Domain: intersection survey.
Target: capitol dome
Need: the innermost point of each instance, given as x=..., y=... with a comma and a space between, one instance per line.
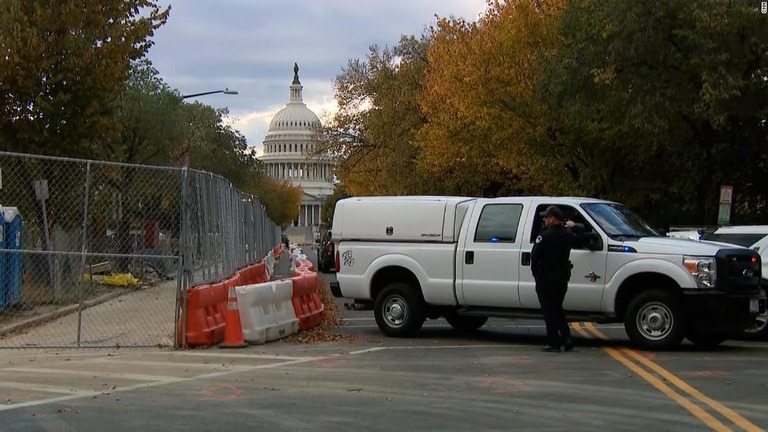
x=295, y=116
x=290, y=153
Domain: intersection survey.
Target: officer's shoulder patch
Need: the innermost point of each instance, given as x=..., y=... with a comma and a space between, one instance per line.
x=538, y=239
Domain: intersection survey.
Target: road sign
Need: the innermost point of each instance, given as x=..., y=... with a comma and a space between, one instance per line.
x=724, y=211
x=726, y=194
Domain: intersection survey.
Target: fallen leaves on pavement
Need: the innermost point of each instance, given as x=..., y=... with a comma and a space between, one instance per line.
x=331, y=319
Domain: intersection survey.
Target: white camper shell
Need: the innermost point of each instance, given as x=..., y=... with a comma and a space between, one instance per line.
x=400, y=219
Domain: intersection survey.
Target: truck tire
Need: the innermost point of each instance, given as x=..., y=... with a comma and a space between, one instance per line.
x=465, y=323
x=654, y=320
x=760, y=330
x=399, y=310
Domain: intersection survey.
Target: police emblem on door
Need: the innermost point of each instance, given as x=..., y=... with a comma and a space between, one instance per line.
x=390, y=230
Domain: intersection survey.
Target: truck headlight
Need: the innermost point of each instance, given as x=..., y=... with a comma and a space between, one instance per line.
x=702, y=269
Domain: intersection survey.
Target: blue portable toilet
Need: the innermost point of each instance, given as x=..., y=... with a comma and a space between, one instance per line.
x=2, y=264
x=13, y=269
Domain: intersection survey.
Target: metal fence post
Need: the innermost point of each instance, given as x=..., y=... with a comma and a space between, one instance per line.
x=183, y=273
x=83, y=250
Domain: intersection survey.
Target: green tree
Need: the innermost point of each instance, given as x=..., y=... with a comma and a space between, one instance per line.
x=63, y=65
x=656, y=105
x=281, y=199
x=150, y=119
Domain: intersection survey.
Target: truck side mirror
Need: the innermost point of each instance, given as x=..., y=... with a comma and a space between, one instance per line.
x=594, y=241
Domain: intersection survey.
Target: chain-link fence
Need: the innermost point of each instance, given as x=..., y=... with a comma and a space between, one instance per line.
x=96, y=254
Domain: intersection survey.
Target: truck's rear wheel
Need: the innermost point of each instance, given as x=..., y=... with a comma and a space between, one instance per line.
x=654, y=320
x=399, y=310
x=465, y=323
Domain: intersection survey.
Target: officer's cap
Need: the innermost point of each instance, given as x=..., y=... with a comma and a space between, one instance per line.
x=552, y=211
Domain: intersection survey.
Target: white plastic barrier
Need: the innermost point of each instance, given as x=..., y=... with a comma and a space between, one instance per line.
x=263, y=312
x=285, y=317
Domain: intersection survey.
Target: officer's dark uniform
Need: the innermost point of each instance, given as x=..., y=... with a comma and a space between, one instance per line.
x=551, y=268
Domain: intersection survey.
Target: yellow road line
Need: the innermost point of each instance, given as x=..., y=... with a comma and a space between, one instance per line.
x=577, y=326
x=682, y=385
x=697, y=411
x=591, y=327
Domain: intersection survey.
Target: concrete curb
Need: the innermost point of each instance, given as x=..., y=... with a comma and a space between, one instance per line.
x=58, y=313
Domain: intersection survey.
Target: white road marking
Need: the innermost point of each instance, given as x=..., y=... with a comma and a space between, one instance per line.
x=86, y=394
x=373, y=326
x=169, y=364
x=501, y=345
x=129, y=376
x=437, y=325
x=237, y=355
x=40, y=388
x=367, y=350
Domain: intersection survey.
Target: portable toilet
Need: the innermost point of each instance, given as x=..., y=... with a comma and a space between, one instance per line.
x=13, y=265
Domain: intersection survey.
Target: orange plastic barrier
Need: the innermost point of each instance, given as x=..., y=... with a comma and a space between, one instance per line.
x=260, y=273
x=304, y=265
x=306, y=301
x=219, y=293
x=205, y=324
x=242, y=276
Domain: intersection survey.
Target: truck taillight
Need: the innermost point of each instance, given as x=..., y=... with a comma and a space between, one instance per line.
x=336, y=261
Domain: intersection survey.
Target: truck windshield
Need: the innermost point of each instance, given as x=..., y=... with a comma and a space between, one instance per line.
x=619, y=222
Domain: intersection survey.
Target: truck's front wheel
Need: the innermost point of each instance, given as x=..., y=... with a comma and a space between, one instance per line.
x=654, y=320
x=399, y=310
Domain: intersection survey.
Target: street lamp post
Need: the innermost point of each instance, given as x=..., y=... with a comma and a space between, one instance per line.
x=185, y=160
x=225, y=91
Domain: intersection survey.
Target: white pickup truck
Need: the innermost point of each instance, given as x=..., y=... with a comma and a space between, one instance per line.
x=467, y=259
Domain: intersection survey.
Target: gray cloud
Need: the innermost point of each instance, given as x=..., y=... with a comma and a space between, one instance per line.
x=251, y=45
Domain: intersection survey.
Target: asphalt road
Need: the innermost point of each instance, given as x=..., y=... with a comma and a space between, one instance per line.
x=494, y=379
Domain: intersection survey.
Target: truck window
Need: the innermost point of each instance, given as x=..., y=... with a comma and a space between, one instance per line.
x=570, y=213
x=498, y=223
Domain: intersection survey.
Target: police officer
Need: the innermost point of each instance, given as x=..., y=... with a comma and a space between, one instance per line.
x=551, y=268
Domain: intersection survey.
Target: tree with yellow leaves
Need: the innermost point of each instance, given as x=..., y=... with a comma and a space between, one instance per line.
x=372, y=134
x=479, y=98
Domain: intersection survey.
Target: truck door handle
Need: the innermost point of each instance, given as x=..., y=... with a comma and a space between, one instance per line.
x=469, y=257
x=526, y=259
x=592, y=276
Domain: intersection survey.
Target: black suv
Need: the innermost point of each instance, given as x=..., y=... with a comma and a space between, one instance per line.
x=326, y=254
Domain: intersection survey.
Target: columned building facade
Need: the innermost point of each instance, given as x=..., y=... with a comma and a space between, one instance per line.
x=289, y=154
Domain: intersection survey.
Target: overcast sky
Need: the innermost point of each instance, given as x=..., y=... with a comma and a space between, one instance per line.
x=251, y=45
